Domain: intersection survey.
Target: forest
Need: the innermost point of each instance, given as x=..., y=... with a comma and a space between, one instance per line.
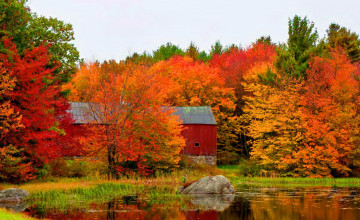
x=291, y=108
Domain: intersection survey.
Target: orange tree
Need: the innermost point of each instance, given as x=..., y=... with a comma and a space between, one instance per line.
x=130, y=129
x=193, y=83
x=331, y=115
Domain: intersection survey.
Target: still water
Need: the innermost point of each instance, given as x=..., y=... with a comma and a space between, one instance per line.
x=249, y=202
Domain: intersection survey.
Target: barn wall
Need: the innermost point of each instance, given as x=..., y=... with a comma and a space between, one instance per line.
x=205, y=135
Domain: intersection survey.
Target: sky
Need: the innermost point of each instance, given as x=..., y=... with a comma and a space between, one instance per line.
x=114, y=29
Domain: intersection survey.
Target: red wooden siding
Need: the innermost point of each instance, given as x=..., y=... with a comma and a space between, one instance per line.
x=205, y=135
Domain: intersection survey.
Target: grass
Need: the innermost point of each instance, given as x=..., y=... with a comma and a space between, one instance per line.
x=230, y=171
x=292, y=181
x=77, y=198
x=82, y=197
x=8, y=215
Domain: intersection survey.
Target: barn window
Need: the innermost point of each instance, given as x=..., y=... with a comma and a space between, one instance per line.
x=197, y=144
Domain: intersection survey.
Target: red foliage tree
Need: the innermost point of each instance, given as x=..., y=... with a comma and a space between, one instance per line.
x=331, y=103
x=235, y=64
x=37, y=98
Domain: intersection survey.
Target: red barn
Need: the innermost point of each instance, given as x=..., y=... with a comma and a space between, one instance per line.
x=200, y=130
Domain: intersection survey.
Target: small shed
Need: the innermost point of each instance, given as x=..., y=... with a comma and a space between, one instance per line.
x=200, y=129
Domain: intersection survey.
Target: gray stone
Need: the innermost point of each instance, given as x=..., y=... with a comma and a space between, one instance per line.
x=13, y=195
x=209, y=185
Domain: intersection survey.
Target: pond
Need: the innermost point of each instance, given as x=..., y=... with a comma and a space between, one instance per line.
x=249, y=202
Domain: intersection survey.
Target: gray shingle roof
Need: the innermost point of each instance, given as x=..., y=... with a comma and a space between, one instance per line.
x=196, y=115
x=188, y=115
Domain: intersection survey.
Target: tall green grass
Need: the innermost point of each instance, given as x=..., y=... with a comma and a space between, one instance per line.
x=82, y=197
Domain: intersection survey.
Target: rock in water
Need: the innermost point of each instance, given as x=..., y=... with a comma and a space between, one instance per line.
x=209, y=185
x=13, y=195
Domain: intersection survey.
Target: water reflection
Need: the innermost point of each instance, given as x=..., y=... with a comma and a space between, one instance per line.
x=212, y=202
x=250, y=202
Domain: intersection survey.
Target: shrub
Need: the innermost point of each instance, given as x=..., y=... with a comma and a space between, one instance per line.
x=249, y=168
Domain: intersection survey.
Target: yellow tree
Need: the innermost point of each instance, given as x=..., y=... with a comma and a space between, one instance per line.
x=272, y=114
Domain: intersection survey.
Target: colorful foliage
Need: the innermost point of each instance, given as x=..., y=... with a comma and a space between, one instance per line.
x=331, y=120
x=193, y=83
x=41, y=106
x=272, y=115
x=129, y=127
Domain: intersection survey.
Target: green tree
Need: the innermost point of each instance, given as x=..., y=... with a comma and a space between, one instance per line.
x=217, y=48
x=265, y=40
x=29, y=30
x=294, y=57
x=342, y=37
x=144, y=58
x=203, y=56
x=58, y=35
x=165, y=52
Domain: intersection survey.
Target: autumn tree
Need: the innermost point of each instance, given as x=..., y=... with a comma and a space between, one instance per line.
x=130, y=128
x=233, y=66
x=330, y=113
x=305, y=128
x=13, y=164
x=193, y=83
x=272, y=116
x=40, y=104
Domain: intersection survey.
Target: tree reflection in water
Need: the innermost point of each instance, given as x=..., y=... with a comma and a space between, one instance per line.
x=249, y=203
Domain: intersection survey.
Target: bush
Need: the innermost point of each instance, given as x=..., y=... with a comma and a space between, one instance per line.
x=249, y=168
x=76, y=168
x=59, y=168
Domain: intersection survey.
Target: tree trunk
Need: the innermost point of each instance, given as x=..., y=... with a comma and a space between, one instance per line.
x=111, y=162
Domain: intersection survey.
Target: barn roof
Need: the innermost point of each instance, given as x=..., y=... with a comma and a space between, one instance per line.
x=188, y=115
x=195, y=115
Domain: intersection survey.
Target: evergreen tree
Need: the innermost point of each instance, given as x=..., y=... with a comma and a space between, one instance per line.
x=293, y=57
x=341, y=37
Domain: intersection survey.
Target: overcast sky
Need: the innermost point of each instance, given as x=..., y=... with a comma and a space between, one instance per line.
x=114, y=29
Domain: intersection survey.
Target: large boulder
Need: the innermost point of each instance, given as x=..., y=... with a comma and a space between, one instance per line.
x=209, y=185
x=13, y=195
